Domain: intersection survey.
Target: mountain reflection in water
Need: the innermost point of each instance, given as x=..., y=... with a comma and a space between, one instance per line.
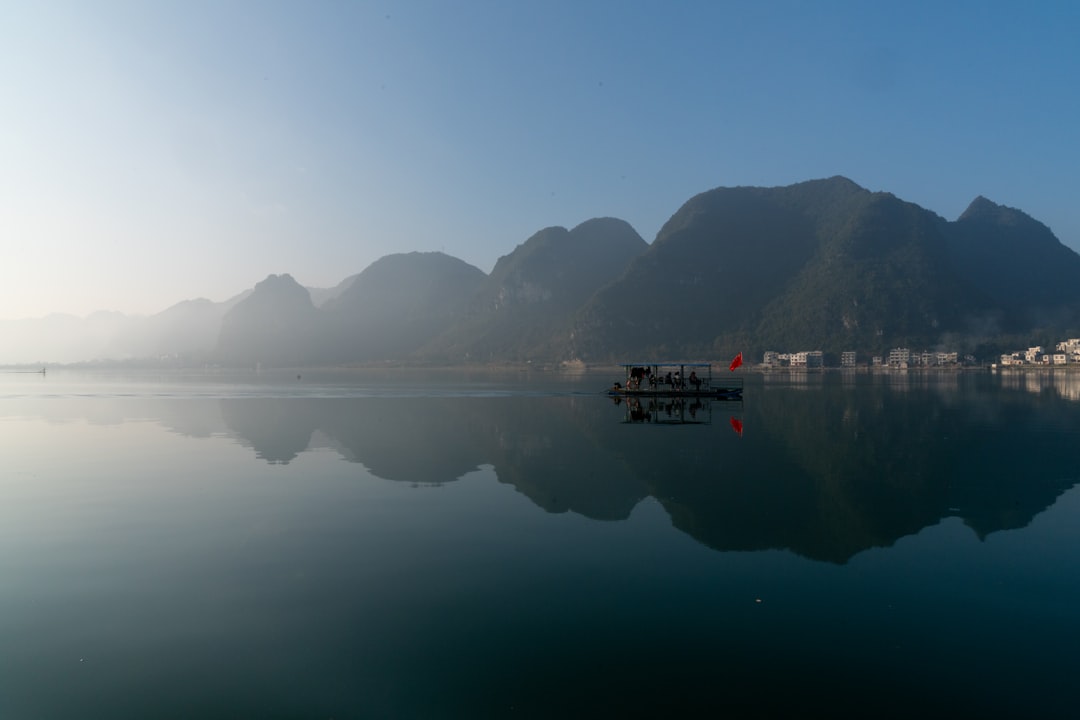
x=305, y=549
x=826, y=473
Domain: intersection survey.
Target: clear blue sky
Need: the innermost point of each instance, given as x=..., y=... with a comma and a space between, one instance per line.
x=156, y=151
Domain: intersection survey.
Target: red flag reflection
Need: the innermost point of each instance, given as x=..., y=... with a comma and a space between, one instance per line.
x=736, y=425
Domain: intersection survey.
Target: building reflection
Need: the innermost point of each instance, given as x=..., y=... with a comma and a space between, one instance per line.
x=1063, y=382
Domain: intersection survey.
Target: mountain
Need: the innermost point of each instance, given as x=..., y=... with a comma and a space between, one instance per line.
x=321, y=296
x=187, y=330
x=433, y=308
x=827, y=265
x=397, y=306
x=712, y=268
x=1016, y=266
x=879, y=280
x=823, y=264
x=276, y=324
x=528, y=301
x=185, y=333
x=60, y=337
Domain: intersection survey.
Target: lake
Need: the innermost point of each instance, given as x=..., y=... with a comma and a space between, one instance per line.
x=409, y=544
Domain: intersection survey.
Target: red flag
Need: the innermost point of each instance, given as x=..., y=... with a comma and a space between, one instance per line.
x=736, y=425
x=736, y=362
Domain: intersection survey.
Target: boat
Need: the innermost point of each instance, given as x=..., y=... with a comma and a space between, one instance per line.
x=675, y=379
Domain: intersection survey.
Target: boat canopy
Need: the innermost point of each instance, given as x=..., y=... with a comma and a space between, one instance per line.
x=652, y=363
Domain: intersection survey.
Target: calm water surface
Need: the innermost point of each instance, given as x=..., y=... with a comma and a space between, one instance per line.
x=461, y=545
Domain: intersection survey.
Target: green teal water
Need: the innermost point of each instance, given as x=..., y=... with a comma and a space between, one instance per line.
x=459, y=545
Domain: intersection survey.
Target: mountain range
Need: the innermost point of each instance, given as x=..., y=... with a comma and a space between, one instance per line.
x=819, y=265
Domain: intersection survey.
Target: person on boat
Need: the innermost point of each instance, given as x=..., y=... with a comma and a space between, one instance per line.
x=695, y=380
x=678, y=380
x=667, y=379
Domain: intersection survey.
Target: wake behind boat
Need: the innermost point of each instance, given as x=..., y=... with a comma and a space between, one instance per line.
x=685, y=379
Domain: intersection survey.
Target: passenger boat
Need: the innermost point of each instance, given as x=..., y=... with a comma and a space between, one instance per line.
x=679, y=379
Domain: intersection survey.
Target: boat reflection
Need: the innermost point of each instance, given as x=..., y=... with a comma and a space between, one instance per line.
x=678, y=410
x=666, y=410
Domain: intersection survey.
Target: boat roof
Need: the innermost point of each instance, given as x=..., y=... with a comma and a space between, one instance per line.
x=653, y=363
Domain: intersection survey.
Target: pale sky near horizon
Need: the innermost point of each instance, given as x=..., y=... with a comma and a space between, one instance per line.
x=157, y=151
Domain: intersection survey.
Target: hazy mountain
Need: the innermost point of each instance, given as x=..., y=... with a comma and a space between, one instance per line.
x=186, y=332
x=61, y=338
x=526, y=304
x=397, y=306
x=320, y=296
x=825, y=265
x=276, y=325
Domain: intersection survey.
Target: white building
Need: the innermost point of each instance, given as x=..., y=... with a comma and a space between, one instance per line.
x=899, y=357
x=1071, y=349
x=807, y=359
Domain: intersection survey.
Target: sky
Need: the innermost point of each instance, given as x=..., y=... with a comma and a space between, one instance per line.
x=152, y=152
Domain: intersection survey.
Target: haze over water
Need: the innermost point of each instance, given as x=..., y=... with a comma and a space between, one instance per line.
x=459, y=544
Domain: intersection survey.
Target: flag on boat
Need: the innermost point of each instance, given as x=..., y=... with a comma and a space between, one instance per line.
x=736, y=425
x=736, y=362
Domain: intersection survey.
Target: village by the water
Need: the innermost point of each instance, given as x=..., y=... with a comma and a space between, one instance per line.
x=1034, y=369
x=1065, y=353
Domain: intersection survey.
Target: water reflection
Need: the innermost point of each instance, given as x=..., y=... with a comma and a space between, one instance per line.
x=674, y=409
x=856, y=463
x=1060, y=381
x=247, y=564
